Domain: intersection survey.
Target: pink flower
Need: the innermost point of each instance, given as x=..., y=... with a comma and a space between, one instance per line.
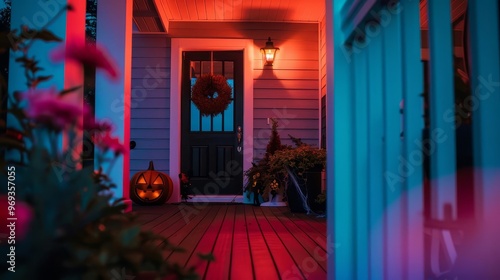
x=87, y=54
x=46, y=107
x=107, y=142
x=93, y=125
x=21, y=211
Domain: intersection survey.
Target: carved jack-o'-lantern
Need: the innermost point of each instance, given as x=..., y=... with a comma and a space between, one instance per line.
x=150, y=186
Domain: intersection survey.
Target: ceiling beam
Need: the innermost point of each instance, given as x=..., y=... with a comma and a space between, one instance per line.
x=162, y=13
x=145, y=13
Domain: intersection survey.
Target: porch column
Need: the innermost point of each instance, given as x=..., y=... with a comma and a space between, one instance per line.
x=67, y=25
x=485, y=81
x=112, y=100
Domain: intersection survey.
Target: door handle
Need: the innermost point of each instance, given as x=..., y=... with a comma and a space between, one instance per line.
x=239, y=136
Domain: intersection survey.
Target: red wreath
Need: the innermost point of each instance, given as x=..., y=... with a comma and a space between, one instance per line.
x=203, y=93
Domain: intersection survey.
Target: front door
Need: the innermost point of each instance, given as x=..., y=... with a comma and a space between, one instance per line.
x=211, y=151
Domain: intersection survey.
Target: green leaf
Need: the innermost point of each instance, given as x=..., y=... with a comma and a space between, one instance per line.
x=47, y=36
x=128, y=235
x=44, y=35
x=39, y=79
x=69, y=90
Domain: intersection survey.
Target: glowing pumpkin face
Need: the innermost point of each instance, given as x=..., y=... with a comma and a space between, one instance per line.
x=150, y=186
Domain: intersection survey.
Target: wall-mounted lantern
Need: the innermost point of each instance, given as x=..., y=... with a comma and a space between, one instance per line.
x=269, y=52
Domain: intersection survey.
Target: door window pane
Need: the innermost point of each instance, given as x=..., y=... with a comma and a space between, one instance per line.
x=222, y=122
x=195, y=113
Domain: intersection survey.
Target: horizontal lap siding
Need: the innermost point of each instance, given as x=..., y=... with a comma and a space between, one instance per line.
x=150, y=103
x=289, y=90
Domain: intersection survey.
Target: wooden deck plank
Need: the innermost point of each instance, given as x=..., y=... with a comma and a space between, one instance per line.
x=241, y=265
x=284, y=262
x=313, y=232
x=206, y=243
x=263, y=263
x=316, y=248
x=247, y=242
x=161, y=216
x=146, y=218
x=188, y=225
x=191, y=239
x=219, y=269
x=179, y=228
x=308, y=266
x=317, y=223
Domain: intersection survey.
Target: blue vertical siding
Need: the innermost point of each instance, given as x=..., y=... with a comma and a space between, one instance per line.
x=412, y=129
x=441, y=99
x=485, y=78
x=375, y=157
x=360, y=111
x=340, y=158
x=393, y=87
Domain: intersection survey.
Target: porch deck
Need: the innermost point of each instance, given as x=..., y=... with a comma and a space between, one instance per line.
x=247, y=242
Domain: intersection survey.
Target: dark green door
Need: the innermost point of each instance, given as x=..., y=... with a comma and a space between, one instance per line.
x=210, y=152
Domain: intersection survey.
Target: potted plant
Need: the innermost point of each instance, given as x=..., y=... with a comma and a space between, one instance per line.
x=260, y=181
x=300, y=167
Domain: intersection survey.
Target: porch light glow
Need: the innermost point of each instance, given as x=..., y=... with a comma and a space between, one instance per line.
x=269, y=52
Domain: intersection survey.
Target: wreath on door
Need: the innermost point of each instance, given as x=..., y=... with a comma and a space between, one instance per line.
x=211, y=94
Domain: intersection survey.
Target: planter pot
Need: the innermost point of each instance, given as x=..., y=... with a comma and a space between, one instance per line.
x=273, y=202
x=301, y=198
x=248, y=198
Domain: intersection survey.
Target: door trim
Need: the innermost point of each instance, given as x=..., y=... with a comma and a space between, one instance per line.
x=178, y=45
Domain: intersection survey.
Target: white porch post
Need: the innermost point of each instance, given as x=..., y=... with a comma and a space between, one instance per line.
x=112, y=100
x=67, y=25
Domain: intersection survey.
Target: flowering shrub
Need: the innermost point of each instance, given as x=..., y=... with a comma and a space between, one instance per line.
x=260, y=179
x=300, y=159
x=68, y=224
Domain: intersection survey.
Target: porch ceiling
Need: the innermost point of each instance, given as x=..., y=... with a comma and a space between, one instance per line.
x=154, y=15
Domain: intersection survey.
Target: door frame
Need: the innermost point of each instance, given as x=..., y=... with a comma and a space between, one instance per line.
x=178, y=45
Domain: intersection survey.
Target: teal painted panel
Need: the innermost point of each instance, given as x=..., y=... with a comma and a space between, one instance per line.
x=340, y=160
x=412, y=129
x=393, y=87
x=361, y=164
x=375, y=157
x=442, y=130
x=485, y=78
